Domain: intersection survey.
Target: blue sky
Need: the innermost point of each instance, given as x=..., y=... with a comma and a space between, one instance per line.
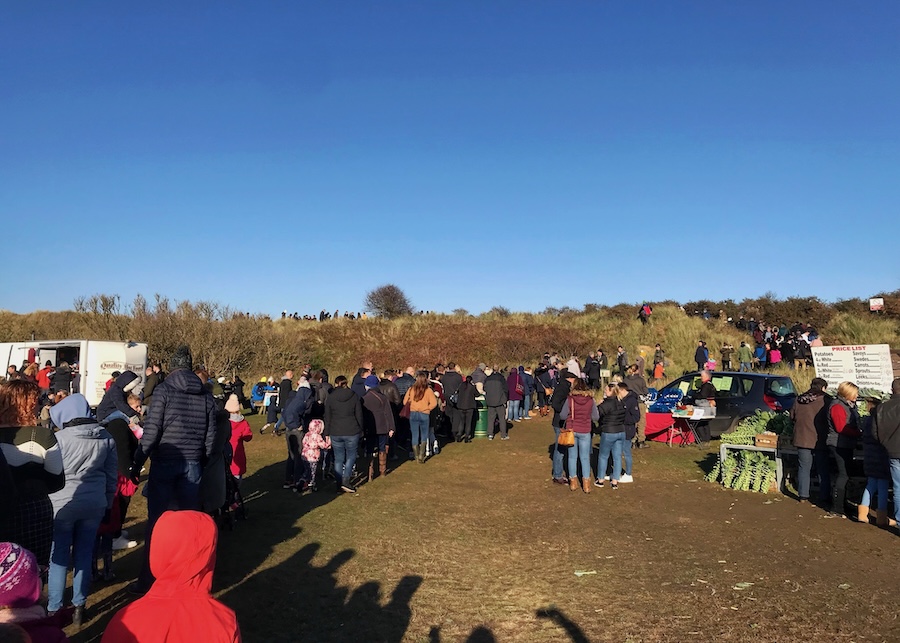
x=294, y=155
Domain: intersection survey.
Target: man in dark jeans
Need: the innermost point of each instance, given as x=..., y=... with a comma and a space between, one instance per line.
x=179, y=436
x=452, y=381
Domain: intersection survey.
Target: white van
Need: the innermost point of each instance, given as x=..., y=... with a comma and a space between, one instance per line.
x=96, y=360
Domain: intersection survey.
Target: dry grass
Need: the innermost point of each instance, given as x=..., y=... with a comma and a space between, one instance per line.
x=479, y=545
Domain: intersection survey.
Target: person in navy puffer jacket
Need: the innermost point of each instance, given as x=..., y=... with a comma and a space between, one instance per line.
x=180, y=437
x=116, y=398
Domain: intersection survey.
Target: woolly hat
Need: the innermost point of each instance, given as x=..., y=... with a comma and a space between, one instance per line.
x=20, y=582
x=372, y=381
x=233, y=405
x=181, y=358
x=70, y=408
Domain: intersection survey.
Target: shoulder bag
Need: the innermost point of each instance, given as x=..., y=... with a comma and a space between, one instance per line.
x=567, y=436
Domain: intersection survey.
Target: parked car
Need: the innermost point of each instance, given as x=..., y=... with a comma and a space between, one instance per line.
x=738, y=395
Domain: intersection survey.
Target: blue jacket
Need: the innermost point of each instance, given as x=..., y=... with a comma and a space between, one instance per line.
x=89, y=461
x=181, y=422
x=297, y=412
x=527, y=382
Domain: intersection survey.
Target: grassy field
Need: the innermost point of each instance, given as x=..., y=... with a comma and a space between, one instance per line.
x=479, y=545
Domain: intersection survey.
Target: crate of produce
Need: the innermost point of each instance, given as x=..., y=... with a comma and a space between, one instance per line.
x=766, y=439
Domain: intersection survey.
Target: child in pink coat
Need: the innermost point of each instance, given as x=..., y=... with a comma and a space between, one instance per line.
x=313, y=443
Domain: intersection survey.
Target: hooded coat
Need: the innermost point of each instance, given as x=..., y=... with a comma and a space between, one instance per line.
x=89, y=460
x=116, y=397
x=178, y=608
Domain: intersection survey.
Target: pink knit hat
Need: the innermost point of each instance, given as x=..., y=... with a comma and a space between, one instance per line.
x=20, y=582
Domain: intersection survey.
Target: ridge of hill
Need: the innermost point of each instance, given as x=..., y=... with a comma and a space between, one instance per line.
x=228, y=342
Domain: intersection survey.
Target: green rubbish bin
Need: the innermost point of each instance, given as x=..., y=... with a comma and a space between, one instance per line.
x=481, y=427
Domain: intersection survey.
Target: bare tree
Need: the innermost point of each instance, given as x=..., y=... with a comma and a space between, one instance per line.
x=388, y=301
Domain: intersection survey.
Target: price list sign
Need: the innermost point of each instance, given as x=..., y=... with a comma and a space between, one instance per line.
x=866, y=366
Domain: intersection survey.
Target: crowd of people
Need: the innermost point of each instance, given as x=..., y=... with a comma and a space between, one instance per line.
x=828, y=429
x=65, y=488
x=67, y=481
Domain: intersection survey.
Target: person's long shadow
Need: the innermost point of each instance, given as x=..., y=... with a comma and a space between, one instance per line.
x=271, y=515
x=576, y=634
x=299, y=601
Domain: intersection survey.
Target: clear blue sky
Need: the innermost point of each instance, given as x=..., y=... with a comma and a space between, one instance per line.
x=294, y=155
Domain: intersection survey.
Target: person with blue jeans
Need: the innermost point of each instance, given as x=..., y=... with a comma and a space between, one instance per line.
x=180, y=437
x=612, y=436
x=344, y=425
x=515, y=392
x=90, y=465
x=557, y=402
x=887, y=431
x=528, y=383
x=579, y=414
x=422, y=401
x=810, y=433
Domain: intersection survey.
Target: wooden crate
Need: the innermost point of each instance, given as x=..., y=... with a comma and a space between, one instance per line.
x=769, y=440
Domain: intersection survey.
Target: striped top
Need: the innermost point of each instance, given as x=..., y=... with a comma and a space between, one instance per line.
x=34, y=459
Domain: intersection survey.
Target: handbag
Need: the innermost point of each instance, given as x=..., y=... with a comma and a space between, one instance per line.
x=405, y=411
x=567, y=436
x=520, y=388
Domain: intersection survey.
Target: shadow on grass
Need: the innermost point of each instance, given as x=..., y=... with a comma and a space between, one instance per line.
x=707, y=462
x=482, y=634
x=297, y=600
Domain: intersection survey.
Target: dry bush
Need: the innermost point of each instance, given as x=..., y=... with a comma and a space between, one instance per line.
x=227, y=341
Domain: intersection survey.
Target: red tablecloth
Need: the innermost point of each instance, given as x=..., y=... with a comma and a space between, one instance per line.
x=658, y=428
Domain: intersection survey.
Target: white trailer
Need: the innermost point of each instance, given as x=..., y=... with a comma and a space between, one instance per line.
x=96, y=360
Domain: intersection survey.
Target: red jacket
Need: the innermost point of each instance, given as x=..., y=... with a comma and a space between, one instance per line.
x=240, y=433
x=178, y=608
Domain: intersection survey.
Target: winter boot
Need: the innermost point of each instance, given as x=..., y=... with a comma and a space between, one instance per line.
x=586, y=484
x=573, y=483
x=883, y=521
x=862, y=513
x=382, y=464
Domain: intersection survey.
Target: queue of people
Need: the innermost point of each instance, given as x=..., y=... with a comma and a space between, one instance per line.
x=827, y=430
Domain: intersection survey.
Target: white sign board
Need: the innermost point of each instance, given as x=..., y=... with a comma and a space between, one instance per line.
x=866, y=366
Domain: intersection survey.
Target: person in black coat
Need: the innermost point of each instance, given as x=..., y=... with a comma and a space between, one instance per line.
x=452, y=381
x=378, y=421
x=496, y=395
x=343, y=424
x=116, y=399
x=180, y=435
x=466, y=405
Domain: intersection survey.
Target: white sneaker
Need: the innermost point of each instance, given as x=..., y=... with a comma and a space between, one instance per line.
x=625, y=478
x=123, y=543
x=527, y=417
x=124, y=533
x=606, y=477
x=436, y=448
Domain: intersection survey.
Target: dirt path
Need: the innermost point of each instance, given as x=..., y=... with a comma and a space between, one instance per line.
x=479, y=545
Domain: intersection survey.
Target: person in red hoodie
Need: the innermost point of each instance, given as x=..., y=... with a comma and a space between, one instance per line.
x=843, y=433
x=178, y=608
x=240, y=433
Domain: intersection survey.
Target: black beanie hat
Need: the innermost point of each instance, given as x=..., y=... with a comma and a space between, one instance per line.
x=181, y=358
